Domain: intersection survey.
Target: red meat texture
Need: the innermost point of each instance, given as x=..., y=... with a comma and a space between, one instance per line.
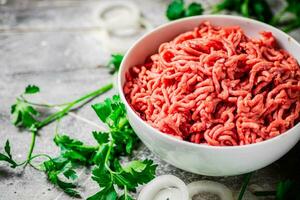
x=216, y=86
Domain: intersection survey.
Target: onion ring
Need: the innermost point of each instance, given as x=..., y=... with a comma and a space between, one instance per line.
x=120, y=43
x=212, y=187
x=129, y=18
x=157, y=189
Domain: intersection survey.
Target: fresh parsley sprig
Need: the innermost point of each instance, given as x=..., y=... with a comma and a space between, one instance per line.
x=292, y=7
x=119, y=140
x=246, y=181
x=73, y=154
x=25, y=113
x=7, y=157
x=177, y=9
x=286, y=190
x=258, y=9
x=115, y=62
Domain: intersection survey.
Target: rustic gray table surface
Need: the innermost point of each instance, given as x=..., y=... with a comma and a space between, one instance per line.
x=58, y=45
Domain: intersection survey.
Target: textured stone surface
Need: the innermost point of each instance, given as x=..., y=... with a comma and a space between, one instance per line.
x=58, y=45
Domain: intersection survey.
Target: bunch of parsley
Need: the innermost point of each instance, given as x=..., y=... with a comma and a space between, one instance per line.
x=25, y=114
x=256, y=9
x=108, y=172
x=118, y=141
x=177, y=9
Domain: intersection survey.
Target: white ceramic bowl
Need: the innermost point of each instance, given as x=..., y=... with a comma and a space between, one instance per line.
x=197, y=158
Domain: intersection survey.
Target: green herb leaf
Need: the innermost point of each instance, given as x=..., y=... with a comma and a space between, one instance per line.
x=260, y=9
x=70, y=174
x=175, y=10
x=257, y=9
x=194, y=9
x=113, y=113
x=31, y=89
x=102, y=176
x=282, y=189
x=61, y=166
x=108, y=193
x=293, y=7
x=101, y=137
x=232, y=5
x=115, y=62
x=137, y=172
x=246, y=180
x=8, y=157
x=24, y=115
x=75, y=150
x=288, y=190
x=125, y=197
x=7, y=149
x=119, y=140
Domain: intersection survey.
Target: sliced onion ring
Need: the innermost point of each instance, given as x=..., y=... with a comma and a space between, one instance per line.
x=212, y=187
x=131, y=20
x=121, y=44
x=159, y=184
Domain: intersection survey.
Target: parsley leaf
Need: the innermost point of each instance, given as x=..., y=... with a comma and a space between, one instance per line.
x=194, y=9
x=232, y=5
x=176, y=10
x=293, y=7
x=129, y=177
x=24, y=115
x=288, y=190
x=56, y=167
x=31, y=89
x=119, y=140
x=125, y=197
x=115, y=62
x=7, y=149
x=112, y=112
x=8, y=157
x=75, y=150
x=73, y=154
x=108, y=193
x=257, y=9
x=135, y=173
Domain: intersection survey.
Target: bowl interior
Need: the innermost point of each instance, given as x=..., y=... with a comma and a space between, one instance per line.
x=149, y=44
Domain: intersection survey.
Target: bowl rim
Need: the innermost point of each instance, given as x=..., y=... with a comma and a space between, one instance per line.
x=170, y=138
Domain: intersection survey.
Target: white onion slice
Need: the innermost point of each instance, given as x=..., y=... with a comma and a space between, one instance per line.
x=164, y=187
x=212, y=187
x=116, y=15
x=120, y=44
x=247, y=195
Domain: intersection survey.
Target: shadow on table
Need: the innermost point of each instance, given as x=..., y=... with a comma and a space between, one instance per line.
x=7, y=173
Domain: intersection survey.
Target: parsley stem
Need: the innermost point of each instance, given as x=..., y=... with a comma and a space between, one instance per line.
x=64, y=111
x=245, y=184
x=276, y=18
x=61, y=113
x=33, y=137
x=22, y=98
x=125, y=192
x=40, y=155
x=291, y=26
